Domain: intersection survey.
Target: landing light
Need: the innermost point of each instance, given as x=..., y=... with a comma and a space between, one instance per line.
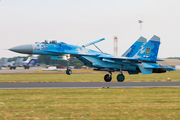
x=68, y=56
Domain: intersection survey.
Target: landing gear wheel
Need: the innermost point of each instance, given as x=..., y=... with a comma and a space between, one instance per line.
x=120, y=78
x=107, y=78
x=68, y=71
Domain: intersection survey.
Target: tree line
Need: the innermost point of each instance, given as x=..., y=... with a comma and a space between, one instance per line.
x=46, y=59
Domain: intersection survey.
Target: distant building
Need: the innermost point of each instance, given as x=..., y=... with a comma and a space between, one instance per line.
x=171, y=62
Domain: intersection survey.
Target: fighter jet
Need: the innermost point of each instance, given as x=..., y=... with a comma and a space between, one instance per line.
x=18, y=63
x=31, y=61
x=4, y=63
x=26, y=64
x=141, y=57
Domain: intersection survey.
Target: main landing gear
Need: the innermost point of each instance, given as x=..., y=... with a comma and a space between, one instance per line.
x=120, y=77
x=108, y=77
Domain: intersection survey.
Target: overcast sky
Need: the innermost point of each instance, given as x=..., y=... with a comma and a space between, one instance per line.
x=82, y=21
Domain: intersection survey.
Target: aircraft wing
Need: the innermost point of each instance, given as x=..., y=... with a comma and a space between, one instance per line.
x=146, y=66
x=126, y=59
x=131, y=59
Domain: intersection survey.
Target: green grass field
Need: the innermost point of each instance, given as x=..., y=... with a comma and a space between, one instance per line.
x=91, y=104
x=86, y=76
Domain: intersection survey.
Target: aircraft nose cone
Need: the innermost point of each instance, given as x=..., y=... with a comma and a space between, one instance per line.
x=26, y=49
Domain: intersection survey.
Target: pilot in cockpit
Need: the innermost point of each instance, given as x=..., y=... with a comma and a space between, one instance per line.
x=46, y=42
x=54, y=41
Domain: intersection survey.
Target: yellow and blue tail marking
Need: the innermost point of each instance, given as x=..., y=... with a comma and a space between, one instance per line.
x=150, y=50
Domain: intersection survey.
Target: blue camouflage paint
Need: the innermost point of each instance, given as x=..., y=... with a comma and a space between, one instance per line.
x=62, y=47
x=134, y=49
x=151, y=45
x=135, y=57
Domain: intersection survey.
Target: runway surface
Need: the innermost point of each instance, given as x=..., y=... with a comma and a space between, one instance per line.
x=87, y=85
x=6, y=70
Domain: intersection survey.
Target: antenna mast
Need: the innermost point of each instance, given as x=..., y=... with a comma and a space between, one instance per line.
x=140, y=22
x=115, y=46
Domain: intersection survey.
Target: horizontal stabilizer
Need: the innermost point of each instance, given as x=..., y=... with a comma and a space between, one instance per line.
x=145, y=70
x=169, y=68
x=91, y=43
x=151, y=65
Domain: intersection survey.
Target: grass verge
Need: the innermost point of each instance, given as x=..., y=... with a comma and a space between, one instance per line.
x=84, y=77
x=77, y=104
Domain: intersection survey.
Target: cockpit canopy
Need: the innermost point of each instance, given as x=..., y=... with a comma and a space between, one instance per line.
x=47, y=42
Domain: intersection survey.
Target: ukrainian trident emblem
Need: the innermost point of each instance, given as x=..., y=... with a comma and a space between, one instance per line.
x=148, y=50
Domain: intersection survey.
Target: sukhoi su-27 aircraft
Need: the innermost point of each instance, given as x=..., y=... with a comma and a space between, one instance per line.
x=141, y=57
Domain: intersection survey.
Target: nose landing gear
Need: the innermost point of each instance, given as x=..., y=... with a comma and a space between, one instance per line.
x=68, y=71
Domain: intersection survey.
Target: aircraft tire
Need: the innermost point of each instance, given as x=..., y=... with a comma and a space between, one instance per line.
x=68, y=71
x=10, y=68
x=107, y=78
x=120, y=78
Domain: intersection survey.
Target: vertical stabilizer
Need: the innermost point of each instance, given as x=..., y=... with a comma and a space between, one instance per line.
x=28, y=59
x=16, y=63
x=32, y=62
x=150, y=50
x=135, y=47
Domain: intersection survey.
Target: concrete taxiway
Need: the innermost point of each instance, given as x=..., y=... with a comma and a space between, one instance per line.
x=87, y=85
